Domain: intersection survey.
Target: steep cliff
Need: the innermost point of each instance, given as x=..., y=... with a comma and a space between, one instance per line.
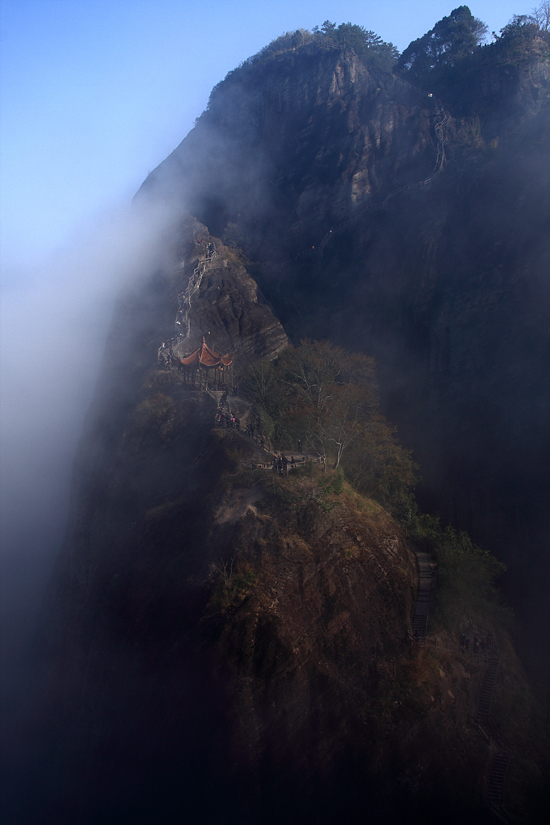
x=412, y=225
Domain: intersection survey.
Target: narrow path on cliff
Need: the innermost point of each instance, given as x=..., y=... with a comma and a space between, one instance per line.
x=426, y=585
x=283, y=461
x=492, y=732
x=489, y=729
x=183, y=320
x=165, y=354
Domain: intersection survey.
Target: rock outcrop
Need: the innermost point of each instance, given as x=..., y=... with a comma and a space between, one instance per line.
x=218, y=300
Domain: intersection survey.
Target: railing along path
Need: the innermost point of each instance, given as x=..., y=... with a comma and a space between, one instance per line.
x=289, y=460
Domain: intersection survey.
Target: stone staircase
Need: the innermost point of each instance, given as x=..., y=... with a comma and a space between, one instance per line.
x=489, y=678
x=497, y=774
x=420, y=627
x=424, y=596
x=495, y=781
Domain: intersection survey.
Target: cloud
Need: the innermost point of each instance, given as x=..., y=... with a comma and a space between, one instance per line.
x=55, y=314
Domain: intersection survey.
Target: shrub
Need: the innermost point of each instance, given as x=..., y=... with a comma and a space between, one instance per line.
x=232, y=586
x=327, y=398
x=466, y=574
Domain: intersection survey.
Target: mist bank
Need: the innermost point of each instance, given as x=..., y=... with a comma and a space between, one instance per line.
x=55, y=315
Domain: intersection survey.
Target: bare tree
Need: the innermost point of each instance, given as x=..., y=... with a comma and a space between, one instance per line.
x=332, y=394
x=541, y=16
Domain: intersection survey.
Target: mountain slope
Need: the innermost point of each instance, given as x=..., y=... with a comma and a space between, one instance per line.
x=375, y=216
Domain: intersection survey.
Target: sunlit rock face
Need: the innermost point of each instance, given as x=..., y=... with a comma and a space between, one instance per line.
x=220, y=301
x=414, y=227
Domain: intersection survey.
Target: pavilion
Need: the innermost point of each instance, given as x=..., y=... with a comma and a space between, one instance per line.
x=204, y=368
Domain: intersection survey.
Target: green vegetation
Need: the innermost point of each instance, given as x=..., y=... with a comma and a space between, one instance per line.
x=233, y=585
x=522, y=40
x=466, y=575
x=309, y=486
x=449, y=60
x=367, y=45
x=327, y=400
x=451, y=39
x=442, y=61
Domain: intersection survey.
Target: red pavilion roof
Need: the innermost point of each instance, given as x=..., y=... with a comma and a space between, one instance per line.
x=206, y=357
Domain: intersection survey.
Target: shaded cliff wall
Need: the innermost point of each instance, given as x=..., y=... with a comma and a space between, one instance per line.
x=287, y=145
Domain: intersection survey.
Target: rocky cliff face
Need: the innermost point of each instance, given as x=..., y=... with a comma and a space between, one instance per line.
x=288, y=146
x=413, y=227
x=220, y=301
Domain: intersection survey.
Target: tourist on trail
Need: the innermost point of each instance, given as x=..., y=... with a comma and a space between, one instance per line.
x=467, y=642
x=300, y=445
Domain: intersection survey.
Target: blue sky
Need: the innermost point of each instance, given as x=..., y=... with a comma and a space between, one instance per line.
x=95, y=93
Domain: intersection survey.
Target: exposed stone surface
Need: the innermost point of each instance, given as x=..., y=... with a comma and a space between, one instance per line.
x=290, y=146
x=220, y=301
